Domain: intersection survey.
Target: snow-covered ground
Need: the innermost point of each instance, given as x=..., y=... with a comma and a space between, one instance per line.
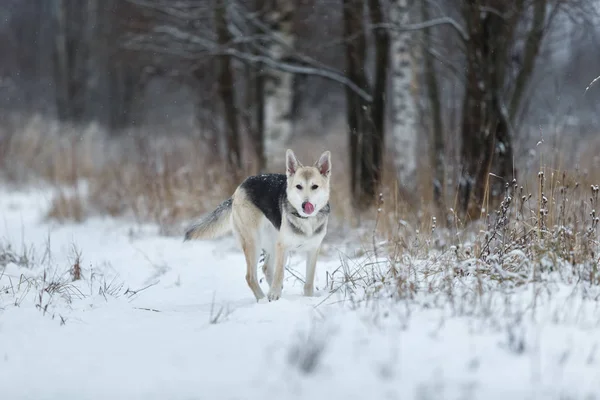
x=156, y=318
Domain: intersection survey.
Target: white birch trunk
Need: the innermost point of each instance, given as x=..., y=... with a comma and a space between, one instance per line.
x=278, y=87
x=404, y=108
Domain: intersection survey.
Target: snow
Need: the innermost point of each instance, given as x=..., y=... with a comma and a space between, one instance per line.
x=98, y=338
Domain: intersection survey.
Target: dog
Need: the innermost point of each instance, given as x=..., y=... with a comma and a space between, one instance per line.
x=275, y=213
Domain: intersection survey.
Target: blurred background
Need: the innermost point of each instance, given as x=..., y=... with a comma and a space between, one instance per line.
x=156, y=109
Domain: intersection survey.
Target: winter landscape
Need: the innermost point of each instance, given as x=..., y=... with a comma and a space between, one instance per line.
x=461, y=259
x=152, y=317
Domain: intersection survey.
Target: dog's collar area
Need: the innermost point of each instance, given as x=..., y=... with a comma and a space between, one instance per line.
x=297, y=215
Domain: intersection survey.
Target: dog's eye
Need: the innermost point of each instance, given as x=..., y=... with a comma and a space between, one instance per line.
x=299, y=187
x=315, y=187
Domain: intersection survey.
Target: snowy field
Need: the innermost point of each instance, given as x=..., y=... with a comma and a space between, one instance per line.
x=155, y=318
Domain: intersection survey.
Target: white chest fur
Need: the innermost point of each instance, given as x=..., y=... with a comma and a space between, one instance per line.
x=302, y=233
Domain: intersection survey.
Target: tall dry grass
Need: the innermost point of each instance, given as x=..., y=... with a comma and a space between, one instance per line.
x=170, y=178
x=155, y=177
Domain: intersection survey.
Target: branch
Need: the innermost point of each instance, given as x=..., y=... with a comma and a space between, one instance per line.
x=532, y=48
x=183, y=36
x=197, y=46
x=269, y=34
x=170, y=8
x=301, y=70
x=424, y=25
x=592, y=83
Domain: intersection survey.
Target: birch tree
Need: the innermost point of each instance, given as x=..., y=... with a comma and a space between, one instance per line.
x=437, y=148
x=404, y=109
x=278, y=85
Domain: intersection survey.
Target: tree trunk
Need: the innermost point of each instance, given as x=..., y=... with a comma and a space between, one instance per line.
x=255, y=100
x=225, y=84
x=70, y=58
x=123, y=76
x=123, y=82
x=486, y=151
x=61, y=61
x=364, y=173
x=437, y=149
x=278, y=85
x=113, y=79
x=382, y=60
x=532, y=49
x=404, y=108
x=259, y=134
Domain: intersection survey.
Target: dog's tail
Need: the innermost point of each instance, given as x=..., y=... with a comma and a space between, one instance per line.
x=212, y=225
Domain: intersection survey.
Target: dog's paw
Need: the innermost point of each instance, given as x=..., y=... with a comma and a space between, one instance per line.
x=274, y=294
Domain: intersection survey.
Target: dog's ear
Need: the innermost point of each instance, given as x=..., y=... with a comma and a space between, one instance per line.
x=324, y=163
x=291, y=162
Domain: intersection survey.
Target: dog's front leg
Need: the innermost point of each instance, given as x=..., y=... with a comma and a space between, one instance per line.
x=311, y=265
x=275, y=289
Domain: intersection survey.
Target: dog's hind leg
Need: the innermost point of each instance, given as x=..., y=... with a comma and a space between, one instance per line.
x=251, y=253
x=279, y=259
x=245, y=221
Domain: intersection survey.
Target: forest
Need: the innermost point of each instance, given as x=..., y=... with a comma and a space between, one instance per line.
x=438, y=103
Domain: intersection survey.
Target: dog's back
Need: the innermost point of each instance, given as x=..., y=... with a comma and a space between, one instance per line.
x=266, y=192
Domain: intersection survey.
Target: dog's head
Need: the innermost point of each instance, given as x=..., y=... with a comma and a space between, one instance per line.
x=308, y=187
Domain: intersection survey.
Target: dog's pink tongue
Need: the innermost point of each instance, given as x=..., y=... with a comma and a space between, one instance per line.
x=308, y=208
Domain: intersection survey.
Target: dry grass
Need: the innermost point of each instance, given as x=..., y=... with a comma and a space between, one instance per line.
x=49, y=282
x=75, y=270
x=169, y=180
x=67, y=207
x=147, y=176
x=42, y=149
x=9, y=256
x=539, y=240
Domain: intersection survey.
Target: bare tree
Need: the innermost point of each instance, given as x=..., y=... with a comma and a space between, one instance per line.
x=378, y=109
x=254, y=104
x=71, y=55
x=93, y=79
x=365, y=118
x=116, y=76
x=493, y=94
x=262, y=39
x=226, y=92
